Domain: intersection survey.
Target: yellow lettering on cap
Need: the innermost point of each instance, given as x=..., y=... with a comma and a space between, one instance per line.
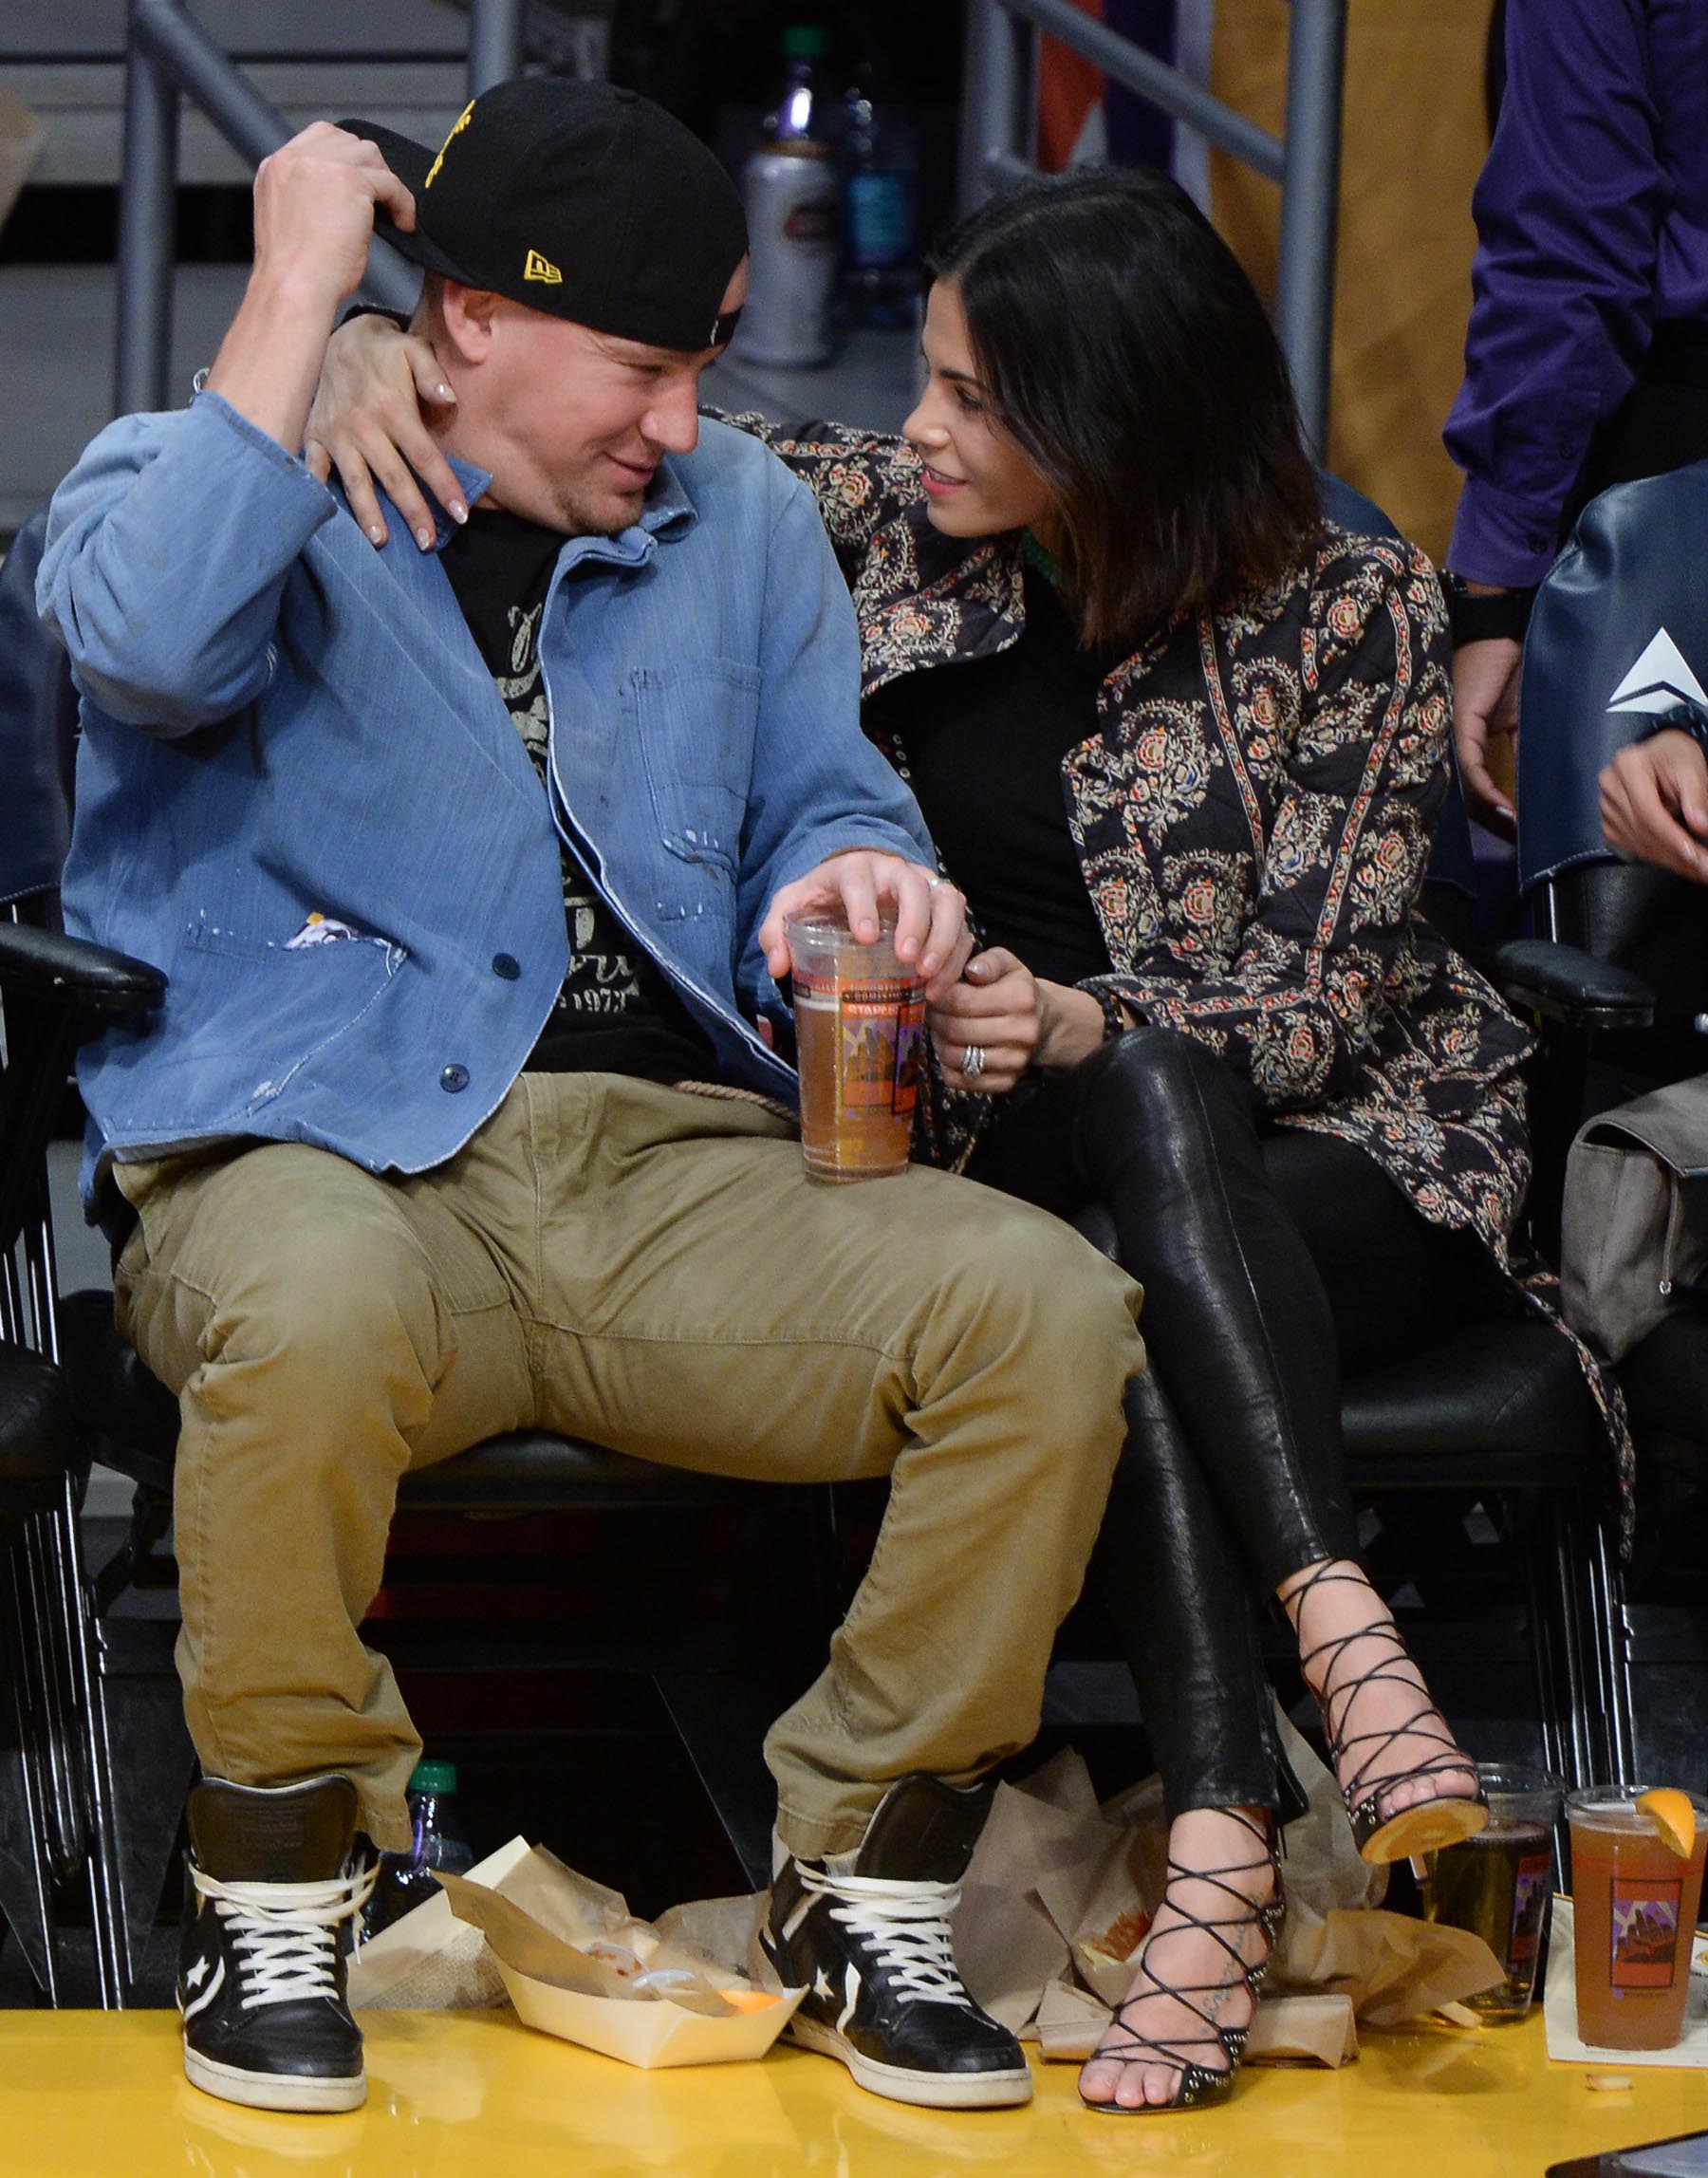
x=540, y=267
x=461, y=123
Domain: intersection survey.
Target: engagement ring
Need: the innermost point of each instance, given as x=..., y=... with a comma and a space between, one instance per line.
x=973, y=1061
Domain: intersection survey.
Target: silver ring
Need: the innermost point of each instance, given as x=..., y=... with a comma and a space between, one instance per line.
x=932, y=883
x=973, y=1061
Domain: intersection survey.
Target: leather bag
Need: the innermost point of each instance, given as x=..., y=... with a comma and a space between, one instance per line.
x=1634, y=1230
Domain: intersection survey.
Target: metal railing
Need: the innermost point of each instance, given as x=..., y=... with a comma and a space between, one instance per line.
x=169, y=57
x=995, y=128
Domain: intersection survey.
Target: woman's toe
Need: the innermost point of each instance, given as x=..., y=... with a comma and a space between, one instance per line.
x=1099, y=2080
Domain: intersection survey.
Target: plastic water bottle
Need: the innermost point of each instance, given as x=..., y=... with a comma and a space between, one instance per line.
x=880, y=275
x=793, y=212
x=405, y=1879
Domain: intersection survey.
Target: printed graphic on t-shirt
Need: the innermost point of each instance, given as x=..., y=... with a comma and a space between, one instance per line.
x=602, y=978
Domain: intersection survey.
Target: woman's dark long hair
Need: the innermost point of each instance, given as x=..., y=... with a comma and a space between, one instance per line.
x=1126, y=353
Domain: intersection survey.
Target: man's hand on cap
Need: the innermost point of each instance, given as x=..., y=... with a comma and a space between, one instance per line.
x=314, y=210
x=314, y=220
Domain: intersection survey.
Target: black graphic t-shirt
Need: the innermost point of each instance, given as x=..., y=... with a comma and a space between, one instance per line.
x=615, y=1012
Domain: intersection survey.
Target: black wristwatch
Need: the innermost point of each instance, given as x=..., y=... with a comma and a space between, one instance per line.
x=1478, y=619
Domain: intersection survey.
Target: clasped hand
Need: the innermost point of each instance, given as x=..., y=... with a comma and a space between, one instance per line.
x=1018, y=1019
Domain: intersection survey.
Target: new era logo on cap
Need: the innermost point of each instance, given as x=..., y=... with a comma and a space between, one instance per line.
x=1659, y=680
x=538, y=268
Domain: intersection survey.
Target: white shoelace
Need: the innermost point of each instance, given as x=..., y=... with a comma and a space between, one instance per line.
x=907, y=1923
x=286, y=1934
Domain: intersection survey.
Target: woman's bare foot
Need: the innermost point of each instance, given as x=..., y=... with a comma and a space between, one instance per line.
x=1193, y=1971
x=1392, y=1748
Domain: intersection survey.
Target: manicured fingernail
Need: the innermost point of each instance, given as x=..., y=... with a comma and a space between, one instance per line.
x=423, y=537
x=445, y=392
x=376, y=533
x=458, y=513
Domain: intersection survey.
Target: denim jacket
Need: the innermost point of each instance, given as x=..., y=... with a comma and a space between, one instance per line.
x=281, y=723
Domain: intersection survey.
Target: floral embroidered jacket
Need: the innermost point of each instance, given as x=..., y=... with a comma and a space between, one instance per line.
x=1252, y=817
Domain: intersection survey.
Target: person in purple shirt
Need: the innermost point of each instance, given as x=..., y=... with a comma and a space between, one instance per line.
x=1587, y=355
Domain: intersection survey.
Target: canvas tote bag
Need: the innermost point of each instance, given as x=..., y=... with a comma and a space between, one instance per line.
x=1634, y=1230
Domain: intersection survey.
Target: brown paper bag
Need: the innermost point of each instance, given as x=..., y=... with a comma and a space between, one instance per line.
x=1392, y=1967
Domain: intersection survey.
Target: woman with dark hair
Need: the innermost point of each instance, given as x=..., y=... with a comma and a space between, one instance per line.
x=1181, y=742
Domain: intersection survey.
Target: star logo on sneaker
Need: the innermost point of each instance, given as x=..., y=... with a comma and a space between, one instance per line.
x=820, y=1984
x=193, y=1980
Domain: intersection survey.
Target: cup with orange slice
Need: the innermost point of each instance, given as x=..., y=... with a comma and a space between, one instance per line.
x=1636, y=1854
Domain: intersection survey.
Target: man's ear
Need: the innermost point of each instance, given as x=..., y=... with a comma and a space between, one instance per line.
x=468, y=315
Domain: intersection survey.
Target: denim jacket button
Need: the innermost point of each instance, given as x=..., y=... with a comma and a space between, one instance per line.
x=507, y=965
x=455, y=1078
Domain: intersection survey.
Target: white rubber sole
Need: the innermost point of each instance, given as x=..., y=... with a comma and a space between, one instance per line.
x=272, y=2090
x=928, y=2089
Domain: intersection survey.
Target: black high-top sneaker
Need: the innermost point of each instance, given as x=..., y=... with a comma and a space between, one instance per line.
x=872, y=1948
x=276, y=1885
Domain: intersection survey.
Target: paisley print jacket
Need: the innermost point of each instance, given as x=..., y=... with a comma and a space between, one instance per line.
x=1252, y=817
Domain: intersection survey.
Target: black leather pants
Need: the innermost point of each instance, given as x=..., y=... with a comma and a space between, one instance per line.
x=1233, y=1474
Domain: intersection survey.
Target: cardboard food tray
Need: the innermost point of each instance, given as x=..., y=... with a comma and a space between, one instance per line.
x=650, y=2036
x=571, y=1957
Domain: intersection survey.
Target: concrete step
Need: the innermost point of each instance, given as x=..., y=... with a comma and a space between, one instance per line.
x=399, y=62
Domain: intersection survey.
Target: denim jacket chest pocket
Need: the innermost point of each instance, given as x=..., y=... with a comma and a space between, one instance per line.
x=696, y=725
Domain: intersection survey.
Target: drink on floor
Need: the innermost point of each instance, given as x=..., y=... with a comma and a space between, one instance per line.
x=1634, y=1904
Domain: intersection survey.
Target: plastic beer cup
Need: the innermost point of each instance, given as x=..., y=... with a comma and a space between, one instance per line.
x=1634, y=1911
x=860, y=1027
x=1497, y=1884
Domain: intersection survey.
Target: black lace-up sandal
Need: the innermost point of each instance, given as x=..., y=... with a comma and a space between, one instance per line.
x=1200, y=2084
x=1445, y=1816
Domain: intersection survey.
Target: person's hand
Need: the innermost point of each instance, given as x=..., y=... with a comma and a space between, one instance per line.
x=1653, y=803
x=1018, y=1020
x=1485, y=712
x=931, y=917
x=314, y=210
x=314, y=220
x=379, y=395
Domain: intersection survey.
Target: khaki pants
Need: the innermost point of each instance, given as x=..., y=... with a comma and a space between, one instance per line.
x=653, y=1270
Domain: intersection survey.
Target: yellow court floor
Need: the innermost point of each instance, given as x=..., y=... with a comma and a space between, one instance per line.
x=91, y=2094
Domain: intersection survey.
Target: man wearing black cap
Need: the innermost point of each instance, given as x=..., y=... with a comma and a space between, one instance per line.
x=468, y=867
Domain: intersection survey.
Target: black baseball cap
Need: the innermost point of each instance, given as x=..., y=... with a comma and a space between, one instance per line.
x=578, y=200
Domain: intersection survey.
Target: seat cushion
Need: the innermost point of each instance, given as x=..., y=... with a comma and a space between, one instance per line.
x=1502, y=1400
x=1665, y=1378
x=532, y=1471
x=37, y=1433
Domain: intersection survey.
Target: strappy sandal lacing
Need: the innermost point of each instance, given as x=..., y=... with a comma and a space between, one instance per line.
x=1199, y=2084
x=1443, y=1817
